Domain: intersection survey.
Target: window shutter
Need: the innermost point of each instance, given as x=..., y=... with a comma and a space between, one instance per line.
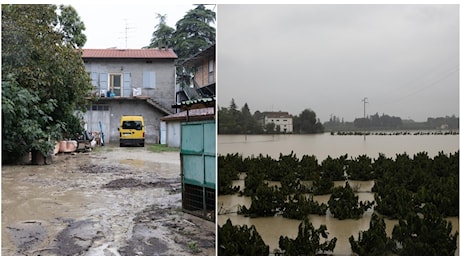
x=126, y=84
x=94, y=79
x=103, y=81
x=149, y=79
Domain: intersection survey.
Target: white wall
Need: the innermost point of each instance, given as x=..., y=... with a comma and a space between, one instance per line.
x=173, y=133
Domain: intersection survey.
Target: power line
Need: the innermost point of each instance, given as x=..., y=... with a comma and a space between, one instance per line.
x=424, y=76
x=449, y=72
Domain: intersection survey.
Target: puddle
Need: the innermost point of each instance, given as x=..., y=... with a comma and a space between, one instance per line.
x=89, y=204
x=133, y=162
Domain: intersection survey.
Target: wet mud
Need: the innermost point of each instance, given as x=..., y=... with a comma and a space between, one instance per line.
x=111, y=201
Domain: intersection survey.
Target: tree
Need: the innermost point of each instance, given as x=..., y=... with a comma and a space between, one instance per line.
x=232, y=121
x=39, y=54
x=225, y=180
x=248, y=122
x=298, y=206
x=373, y=241
x=360, y=169
x=193, y=34
x=240, y=240
x=379, y=122
x=344, y=204
x=307, y=241
x=322, y=184
x=71, y=27
x=225, y=121
x=162, y=37
x=427, y=233
x=309, y=167
x=306, y=123
x=25, y=121
x=270, y=128
x=334, y=167
x=233, y=107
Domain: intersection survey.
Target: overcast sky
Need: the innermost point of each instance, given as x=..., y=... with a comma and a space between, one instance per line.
x=403, y=58
x=125, y=25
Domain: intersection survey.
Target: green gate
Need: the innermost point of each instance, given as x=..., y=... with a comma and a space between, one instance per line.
x=198, y=168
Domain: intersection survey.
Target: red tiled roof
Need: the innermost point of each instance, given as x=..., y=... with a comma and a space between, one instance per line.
x=130, y=53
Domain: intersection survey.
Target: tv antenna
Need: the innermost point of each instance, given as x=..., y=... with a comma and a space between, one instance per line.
x=126, y=33
x=364, y=102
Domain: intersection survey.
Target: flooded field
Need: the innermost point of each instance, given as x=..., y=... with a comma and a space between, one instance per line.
x=112, y=201
x=322, y=146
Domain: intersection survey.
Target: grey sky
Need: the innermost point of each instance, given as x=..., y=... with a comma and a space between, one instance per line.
x=403, y=58
x=110, y=25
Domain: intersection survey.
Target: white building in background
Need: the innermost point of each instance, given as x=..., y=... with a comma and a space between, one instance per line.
x=281, y=119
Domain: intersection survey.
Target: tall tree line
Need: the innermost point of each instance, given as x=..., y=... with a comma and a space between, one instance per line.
x=232, y=120
x=376, y=121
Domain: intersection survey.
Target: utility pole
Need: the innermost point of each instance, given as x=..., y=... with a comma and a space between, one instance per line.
x=365, y=102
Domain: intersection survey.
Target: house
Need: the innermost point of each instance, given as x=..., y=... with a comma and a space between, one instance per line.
x=130, y=82
x=193, y=129
x=201, y=96
x=203, y=67
x=280, y=119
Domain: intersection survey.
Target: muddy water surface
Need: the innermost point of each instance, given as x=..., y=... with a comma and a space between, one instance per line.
x=271, y=228
x=322, y=146
x=112, y=201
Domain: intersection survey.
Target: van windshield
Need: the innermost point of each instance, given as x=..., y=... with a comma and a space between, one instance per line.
x=132, y=125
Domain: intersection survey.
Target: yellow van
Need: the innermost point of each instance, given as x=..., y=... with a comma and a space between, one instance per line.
x=132, y=130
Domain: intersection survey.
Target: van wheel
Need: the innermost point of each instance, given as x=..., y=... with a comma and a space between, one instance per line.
x=142, y=144
x=121, y=144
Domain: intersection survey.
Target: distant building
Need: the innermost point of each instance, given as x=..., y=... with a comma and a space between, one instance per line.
x=281, y=119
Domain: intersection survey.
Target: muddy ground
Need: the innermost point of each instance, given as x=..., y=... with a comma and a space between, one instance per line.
x=110, y=201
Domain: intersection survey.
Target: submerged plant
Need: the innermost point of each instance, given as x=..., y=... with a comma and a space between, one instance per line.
x=307, y=241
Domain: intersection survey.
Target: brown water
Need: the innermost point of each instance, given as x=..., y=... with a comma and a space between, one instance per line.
x=39, y=202
x=321, y=146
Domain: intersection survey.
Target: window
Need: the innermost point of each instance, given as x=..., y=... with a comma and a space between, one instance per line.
x=149, y=79
x=99, y=107
x=137, y=125
x=211, y=71
x=115, y=84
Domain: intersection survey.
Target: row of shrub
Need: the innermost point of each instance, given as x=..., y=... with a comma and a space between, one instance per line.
x=400, y=185
x=419, y=191
x=425, y=233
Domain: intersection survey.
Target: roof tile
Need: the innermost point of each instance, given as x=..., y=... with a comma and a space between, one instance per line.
x=130, y=53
